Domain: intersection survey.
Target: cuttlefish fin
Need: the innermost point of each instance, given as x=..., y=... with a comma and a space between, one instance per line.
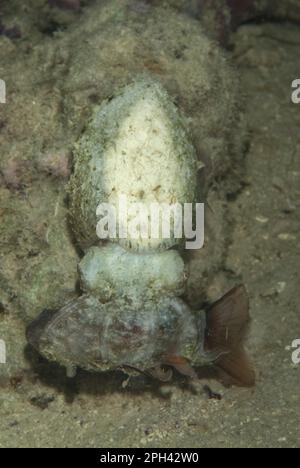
x=238, y=366
x=182, y=365
x=227, y=324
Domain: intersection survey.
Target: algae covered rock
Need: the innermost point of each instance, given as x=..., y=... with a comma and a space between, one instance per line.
x=55, y=83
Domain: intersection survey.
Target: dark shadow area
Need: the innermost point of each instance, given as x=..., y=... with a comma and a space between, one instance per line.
x=54, y=376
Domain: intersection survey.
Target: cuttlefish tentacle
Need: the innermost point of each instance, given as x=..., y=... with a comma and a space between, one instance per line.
x=182, y=365
x=157, y=372
x=160, y=373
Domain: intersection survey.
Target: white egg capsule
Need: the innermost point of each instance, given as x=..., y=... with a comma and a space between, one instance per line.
x=110, y=271
x=136, y=147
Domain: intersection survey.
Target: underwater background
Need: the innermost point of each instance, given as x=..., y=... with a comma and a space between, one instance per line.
x=229, y=67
